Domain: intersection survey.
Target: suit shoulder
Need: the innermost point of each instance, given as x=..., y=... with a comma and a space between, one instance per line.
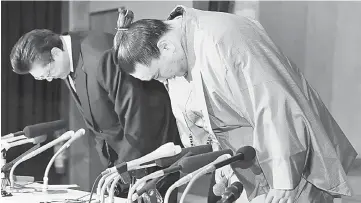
x=107, y=70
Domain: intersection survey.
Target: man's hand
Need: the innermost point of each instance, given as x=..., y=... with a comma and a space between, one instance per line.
x=281, y=196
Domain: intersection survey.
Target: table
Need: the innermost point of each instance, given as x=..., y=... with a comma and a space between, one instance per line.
x=53, y=196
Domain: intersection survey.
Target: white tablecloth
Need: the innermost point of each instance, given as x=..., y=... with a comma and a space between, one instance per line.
x=52, y=196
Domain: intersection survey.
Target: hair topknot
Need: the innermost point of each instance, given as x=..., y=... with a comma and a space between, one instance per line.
x=125, y=18
x=136, y=42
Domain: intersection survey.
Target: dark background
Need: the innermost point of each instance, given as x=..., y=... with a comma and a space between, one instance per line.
x=25, y=101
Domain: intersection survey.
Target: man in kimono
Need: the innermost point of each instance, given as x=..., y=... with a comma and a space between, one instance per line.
x=232, y=75
x=128, y=118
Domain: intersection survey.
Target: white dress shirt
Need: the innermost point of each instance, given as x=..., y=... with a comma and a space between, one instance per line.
x=67, y=40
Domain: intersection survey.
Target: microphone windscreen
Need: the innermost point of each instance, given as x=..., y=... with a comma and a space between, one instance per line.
x=249, y=155
x=244, y=154
x=190, y=164
x=236, y=189
x=43, y=128
x=167, y=161
x=248, y=151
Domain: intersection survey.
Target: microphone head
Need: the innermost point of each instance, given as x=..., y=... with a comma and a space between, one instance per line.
x=32, y=131
x=248, y=151
x=233, y=192
x=78, y=133
x=166, y=150
x=67, y=135
x=177, y=149
x=190, y=164
x=238, y=185
x=249, y=155
x=154, y=182
x=167, y=161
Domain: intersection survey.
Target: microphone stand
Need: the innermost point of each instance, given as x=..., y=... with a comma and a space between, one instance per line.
x=4, y=180
x=202, y=171
x=63, y=137
x=80, y=132
x=108, y=181
x=232, y=193
x=13, y=142
x=100, y=184
x=112, y=187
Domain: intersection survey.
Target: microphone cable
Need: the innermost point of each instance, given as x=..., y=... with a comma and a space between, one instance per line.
x=93, y=187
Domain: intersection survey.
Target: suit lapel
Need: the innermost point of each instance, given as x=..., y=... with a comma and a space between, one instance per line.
x=81, y=86
x=80, y=78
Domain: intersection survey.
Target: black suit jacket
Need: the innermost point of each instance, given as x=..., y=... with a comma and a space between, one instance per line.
x=133, y=117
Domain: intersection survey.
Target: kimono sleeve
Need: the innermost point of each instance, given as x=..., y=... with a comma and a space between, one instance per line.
x=270, y=98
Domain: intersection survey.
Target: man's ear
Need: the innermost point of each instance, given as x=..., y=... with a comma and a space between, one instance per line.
x=165, y=47
x=55, y=51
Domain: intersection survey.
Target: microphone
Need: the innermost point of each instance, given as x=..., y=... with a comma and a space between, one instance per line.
x=43, y=128
x=76, y=136
x=36, y=130
x=36, y=140
x=104, y=187
x=153, y=182
x=18, y=133
x=8, y=166
x=190, y=176
x=246, y=153
x=190, y=164
x=185, y=165
x=62, y=138
x=232, y=193
x=12, y=135
x=167, y=161
x=166, y=150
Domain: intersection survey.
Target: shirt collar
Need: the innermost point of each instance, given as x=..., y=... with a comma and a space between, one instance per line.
x=67, y=40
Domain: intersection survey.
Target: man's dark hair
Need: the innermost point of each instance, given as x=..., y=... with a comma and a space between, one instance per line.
x=33, y=46
x=137, y=42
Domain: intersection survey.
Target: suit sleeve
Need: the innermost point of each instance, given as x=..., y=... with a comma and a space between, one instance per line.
x=257, y=78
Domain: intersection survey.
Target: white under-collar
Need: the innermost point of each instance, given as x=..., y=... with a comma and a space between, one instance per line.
x=67, y=40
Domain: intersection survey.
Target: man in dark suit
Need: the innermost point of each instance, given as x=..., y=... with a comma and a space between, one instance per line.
x=128, y=117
